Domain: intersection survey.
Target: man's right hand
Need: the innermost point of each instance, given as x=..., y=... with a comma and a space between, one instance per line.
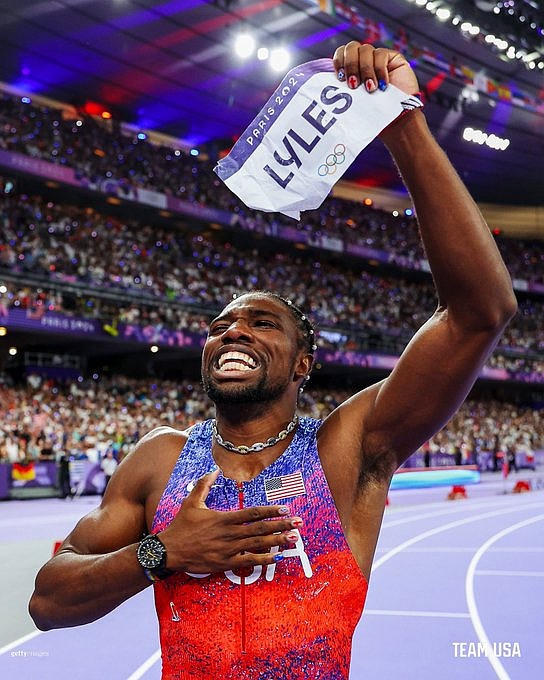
x=203, y=541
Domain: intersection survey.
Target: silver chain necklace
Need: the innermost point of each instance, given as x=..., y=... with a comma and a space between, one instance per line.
x=258, y=446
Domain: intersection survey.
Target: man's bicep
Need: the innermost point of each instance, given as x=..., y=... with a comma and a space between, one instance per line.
x=120, y=518
x=106, y=529
x=428, y=384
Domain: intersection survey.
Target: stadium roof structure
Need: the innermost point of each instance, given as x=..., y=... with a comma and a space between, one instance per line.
x=170, y=66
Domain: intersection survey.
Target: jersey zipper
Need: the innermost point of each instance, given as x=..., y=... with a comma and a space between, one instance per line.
x=240, y=489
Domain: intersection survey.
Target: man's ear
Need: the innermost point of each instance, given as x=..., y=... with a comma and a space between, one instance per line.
x=303, y=367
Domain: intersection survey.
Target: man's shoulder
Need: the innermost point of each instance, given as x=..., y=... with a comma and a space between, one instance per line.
x=158, y=446
x=164, y=433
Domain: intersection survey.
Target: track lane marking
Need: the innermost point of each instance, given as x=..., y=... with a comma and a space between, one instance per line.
x=445, y=527
x=403, y=612
x=471, y=599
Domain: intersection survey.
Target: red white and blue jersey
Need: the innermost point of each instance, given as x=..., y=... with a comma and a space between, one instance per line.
x=293, y=620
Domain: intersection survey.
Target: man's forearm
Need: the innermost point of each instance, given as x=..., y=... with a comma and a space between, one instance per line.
x=75, y=589
x=469, y=274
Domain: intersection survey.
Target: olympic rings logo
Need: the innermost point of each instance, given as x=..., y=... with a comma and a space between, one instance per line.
x=332, y=161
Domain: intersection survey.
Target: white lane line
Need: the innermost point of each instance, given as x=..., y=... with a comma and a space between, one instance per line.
x=401, y=612
x=445, y=527
x=471, y=600
x=516, y=549
x=452, y=510
x=19, y=641
x=139, y=672
x=497, y=572
x=480, y=501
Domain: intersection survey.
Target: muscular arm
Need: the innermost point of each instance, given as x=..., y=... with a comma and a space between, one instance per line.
x=96, y=568
x=475, y=297
x=380, y=427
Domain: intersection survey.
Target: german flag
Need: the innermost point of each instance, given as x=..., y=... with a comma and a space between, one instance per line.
x=23, y=472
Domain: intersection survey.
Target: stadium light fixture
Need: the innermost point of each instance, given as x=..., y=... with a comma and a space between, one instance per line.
x=443, y=13
x=244, y=45
x=480, y=137
x=279, y=59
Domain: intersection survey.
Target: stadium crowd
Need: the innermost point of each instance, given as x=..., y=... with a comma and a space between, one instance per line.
x=44, y=418
x=104, y=157
x=180, y=278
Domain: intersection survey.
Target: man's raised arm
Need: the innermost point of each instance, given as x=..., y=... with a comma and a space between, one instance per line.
x=475, y=296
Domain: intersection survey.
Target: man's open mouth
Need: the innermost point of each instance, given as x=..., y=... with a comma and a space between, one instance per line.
x=236, y=361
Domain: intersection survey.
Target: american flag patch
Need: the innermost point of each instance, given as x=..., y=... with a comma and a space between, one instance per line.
x=285, y=486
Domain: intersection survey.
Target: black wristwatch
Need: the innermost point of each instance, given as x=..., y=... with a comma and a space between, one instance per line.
x=152, y=556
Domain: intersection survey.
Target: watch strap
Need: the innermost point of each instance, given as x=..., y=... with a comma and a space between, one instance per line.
x=158, y=574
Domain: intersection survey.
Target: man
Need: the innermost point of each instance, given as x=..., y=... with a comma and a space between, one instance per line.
x=109, y=465
x=261, y=565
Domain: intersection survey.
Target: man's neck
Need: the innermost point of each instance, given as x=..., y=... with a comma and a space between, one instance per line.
x=246, y=428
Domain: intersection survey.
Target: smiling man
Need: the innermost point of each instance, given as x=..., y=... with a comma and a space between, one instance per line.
x=259, y=527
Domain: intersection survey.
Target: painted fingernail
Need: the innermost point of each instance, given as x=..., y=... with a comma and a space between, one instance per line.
x=296, y=522
x=283, y=510
x=292, y=538
x=341, y=74
x=382, y=85
x=353, y=82
x=278, y=557
x=370, y=85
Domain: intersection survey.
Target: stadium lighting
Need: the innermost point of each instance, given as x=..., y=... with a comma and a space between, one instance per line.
x=480, y=137
x=12, y=351
x=279, y=59
x=443, y=13
x=244, y=45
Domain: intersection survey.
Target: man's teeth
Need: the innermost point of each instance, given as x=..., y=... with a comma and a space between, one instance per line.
x=236, y=361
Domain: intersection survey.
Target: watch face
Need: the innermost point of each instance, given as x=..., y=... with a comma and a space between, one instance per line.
x=150, y=552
